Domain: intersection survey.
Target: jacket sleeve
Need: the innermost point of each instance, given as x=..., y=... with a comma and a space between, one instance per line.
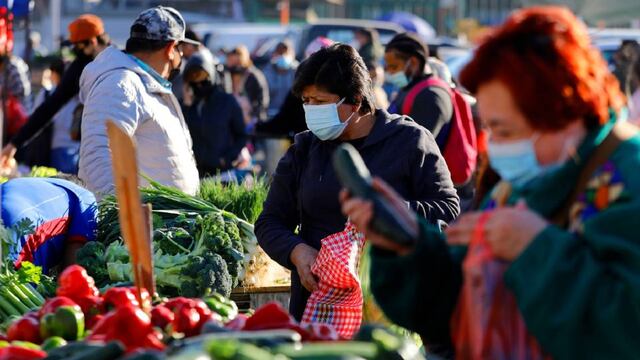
x=238, y=130
x=419, y=291
x=432, y=109
x=276, y=225
x=115, y=97
x=579, y=293
x=431, y=181
x=65, y=91
x=288, y=121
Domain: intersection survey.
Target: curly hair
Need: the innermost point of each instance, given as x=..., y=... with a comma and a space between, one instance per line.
x=545, y=57
x=339, y=70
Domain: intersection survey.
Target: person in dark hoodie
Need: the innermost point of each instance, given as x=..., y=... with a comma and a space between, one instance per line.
x=406, y=66
x=335, y=87
x=214, y=119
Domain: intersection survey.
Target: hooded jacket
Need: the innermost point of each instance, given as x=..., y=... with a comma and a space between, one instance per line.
x=115, y=87
x=216, y=124
x=305, y=188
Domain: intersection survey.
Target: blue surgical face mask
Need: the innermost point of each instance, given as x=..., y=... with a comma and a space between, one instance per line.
x=283, y=62
x=323, y=120
x=398, y=79
x=516, y=161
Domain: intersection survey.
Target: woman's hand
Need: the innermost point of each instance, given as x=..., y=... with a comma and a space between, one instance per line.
x=508, y=231
x=303, y=256
x=360, y=213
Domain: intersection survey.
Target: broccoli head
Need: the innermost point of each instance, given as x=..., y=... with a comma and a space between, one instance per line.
x=199, y=275
x=92, y=257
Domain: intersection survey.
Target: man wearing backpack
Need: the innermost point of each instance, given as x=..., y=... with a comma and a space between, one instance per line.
x=432, y=103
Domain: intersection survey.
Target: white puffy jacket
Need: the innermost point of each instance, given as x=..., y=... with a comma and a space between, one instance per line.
x=115, y=87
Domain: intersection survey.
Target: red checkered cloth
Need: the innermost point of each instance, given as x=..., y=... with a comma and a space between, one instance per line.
x=338, y=299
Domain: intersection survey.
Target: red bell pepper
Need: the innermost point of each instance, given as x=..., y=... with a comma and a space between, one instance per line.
x=19, y=353
x=129, y=325
x=190, y=315
x=118, y=296
x=186, y=320
x=161, y=316
x=173, y=303
x=269, y=316
x=27, y=328
x=75, y=283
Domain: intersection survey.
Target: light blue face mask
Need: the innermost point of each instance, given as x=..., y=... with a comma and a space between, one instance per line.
x=323, y=120
x=283, y=62
x=516, y=161
x=398, y=79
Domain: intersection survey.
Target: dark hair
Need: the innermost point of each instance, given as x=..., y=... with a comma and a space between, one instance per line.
x=57, y=65
x=135, y=45
x=104, y=39
x=339, y=70
x=191, y=35
x=408, y=45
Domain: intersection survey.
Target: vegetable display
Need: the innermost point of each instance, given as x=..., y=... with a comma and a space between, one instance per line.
x=198, y=248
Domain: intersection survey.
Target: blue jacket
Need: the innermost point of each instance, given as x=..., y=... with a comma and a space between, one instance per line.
x=58, y=212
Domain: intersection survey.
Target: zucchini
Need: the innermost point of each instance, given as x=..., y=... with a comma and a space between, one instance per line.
x=110, y=351
x=356, y=178
x=329, y=350
x=70, y=350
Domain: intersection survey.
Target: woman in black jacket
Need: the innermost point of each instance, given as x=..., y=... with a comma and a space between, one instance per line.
x=336, y=90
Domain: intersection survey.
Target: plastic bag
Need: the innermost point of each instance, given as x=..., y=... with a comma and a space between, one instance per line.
x=487, y=323
x=338, y=299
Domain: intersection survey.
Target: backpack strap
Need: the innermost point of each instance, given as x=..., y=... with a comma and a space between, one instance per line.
x=413, y=93
x=621, y=132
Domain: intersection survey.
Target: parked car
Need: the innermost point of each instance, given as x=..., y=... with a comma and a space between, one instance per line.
x=341, y=30
x=230, y=35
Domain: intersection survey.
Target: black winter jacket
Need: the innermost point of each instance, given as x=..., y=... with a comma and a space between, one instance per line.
x=305, y=188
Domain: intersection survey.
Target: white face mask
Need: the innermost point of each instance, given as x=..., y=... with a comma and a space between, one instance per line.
x=323, y=120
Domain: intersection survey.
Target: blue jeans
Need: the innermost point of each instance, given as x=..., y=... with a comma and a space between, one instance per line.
x=65, y=160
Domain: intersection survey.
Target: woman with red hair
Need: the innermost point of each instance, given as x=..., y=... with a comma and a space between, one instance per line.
x=550, y=265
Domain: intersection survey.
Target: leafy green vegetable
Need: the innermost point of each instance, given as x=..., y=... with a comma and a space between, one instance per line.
x=92, y=256
x=43, y=171
x=243, y=199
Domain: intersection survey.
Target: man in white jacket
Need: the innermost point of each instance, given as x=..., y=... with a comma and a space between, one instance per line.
x=132, y=88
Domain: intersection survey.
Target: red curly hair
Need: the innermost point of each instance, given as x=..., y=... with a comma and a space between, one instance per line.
x=545, y=57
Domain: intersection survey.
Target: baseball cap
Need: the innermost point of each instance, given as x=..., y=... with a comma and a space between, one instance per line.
x=160, y=23
x=85, y=27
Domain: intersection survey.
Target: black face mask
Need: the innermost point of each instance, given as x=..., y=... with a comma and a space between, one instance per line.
x=202, y=89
